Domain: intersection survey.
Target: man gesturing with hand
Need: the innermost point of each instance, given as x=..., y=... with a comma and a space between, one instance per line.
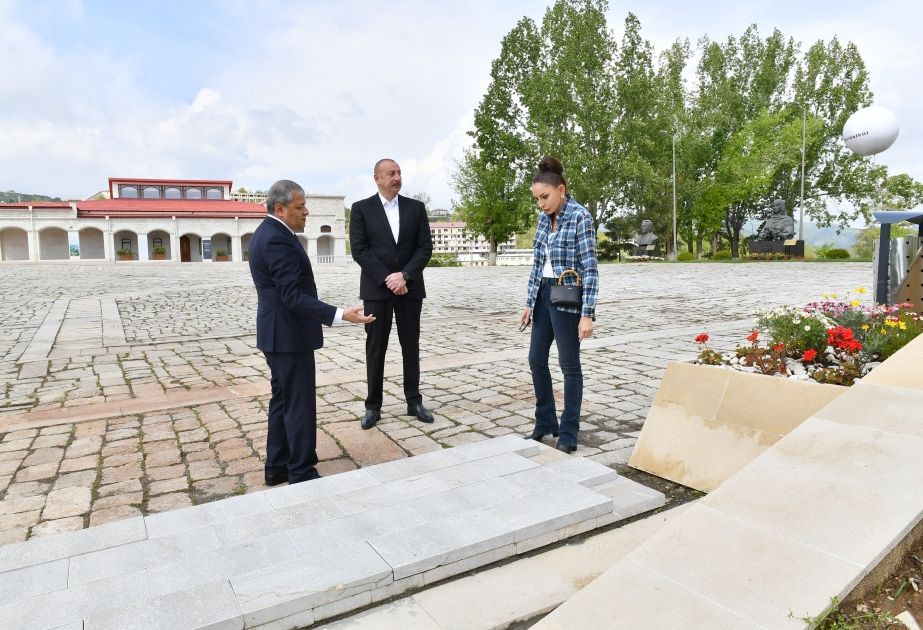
x=288, y=331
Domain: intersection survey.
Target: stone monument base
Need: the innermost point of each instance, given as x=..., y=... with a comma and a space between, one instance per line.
x=790, y=247
x=646, y=250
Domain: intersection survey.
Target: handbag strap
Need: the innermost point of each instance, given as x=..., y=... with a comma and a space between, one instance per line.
x=567, y=271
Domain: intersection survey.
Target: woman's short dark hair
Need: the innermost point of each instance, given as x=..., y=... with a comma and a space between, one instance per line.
x=550, y=171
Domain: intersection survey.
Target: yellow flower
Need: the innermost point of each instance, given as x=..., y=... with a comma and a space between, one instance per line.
x=865, y=326
x=833, y=295
x=890, y=322
x=861, y=290
x=903, y=326
x=882, y=331
x=826, y=296
x=855, y=303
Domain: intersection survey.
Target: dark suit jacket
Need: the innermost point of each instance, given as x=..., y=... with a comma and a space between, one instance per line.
x=289, y=315
x=373, y=247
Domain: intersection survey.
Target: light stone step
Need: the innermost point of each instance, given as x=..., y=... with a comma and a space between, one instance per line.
x=293, y=555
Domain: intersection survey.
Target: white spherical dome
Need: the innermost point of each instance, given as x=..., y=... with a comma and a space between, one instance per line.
x=870, y=130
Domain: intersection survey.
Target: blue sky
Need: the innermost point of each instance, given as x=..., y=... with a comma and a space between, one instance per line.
x=317, y=91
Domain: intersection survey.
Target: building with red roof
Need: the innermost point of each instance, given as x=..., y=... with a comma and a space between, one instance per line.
x=184, y=220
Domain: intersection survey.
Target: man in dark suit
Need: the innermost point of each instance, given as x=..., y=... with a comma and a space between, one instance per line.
x=390, y=239
x=288, y=331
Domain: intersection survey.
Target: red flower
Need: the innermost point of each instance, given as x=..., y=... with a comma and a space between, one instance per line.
x=752, y=337
x=779, y=347
x=702, y=338
x=809, y=355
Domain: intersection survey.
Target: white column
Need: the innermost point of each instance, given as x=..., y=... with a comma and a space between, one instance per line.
x=237, y=252
x=174, y=243
x=142, y=246
x=108, y=249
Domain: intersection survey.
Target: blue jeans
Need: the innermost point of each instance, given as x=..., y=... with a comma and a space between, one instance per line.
x=549, y=324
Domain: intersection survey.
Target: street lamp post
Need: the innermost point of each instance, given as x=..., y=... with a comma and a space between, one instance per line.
x=673, y=145
x=673, y=138
x=804, y=131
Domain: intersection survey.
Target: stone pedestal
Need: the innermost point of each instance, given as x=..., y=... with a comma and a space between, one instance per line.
x=646, y=250
x=790, y=247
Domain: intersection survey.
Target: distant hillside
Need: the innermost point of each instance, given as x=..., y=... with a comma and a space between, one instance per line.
x=11, y=196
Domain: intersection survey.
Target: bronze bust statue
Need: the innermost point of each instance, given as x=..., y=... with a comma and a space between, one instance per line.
x=646, y=236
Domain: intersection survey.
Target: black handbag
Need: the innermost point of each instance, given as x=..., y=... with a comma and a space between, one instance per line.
x=569, y=295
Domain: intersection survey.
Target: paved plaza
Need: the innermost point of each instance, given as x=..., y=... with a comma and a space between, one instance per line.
x=136, y=388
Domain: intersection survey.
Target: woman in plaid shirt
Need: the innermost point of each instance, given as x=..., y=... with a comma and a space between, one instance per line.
x=565, y=239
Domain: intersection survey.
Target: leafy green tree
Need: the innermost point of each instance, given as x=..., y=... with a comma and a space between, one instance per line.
x=492, y=177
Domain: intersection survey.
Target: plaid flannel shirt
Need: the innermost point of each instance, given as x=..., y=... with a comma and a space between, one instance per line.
x=572, y=246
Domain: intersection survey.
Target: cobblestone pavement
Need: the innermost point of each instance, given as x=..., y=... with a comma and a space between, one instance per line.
x=135, y=388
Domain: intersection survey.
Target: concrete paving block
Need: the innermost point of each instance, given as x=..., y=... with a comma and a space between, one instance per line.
x=652, y=601
x=403, y=614
x=473, y=496
x=466, y=564
x=416, y=465
x=33, y=580
x=341, y=606
x=174, y=521
x=397, y=587
x=388, y=493
x=765, y=588
x=212, y=606
x=542, y=540
x=629, y=498
x=298, y=620
x=505, y=444
x=70, y=605
x=354, y=528
x=441, y=542
x=341, y=483
x=536, y=514
x=239, y=530
x=884, y=462
x=140, y=555
x=68, y=544
x=76, y=625
x=309, y=582
x=844, y=519
x=583, y=471
x=878, y=406
x=484, y=468
x=225, y=562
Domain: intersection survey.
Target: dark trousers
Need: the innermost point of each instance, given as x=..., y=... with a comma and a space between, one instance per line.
x=291, y=443
x=407, y=313
x=549, y=324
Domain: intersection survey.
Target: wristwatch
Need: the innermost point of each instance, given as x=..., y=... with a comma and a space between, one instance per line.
x=405, y=276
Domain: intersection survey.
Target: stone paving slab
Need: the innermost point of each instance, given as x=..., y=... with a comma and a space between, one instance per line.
x=311, y=550
x=804, y=522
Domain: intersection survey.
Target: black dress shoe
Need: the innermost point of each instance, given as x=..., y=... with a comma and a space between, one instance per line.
x=371, y=418
x=538, y=437
x=566, y=448
x=308, y=476
x=274, y=479
x=421, y=412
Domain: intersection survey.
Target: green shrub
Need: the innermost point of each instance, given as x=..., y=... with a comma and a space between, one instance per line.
x=837, y=253
x=685, y=256
x=160, y=250
x=722, y=254
x=444, y=260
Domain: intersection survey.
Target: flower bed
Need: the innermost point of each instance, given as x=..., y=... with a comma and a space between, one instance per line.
x=833, y=341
